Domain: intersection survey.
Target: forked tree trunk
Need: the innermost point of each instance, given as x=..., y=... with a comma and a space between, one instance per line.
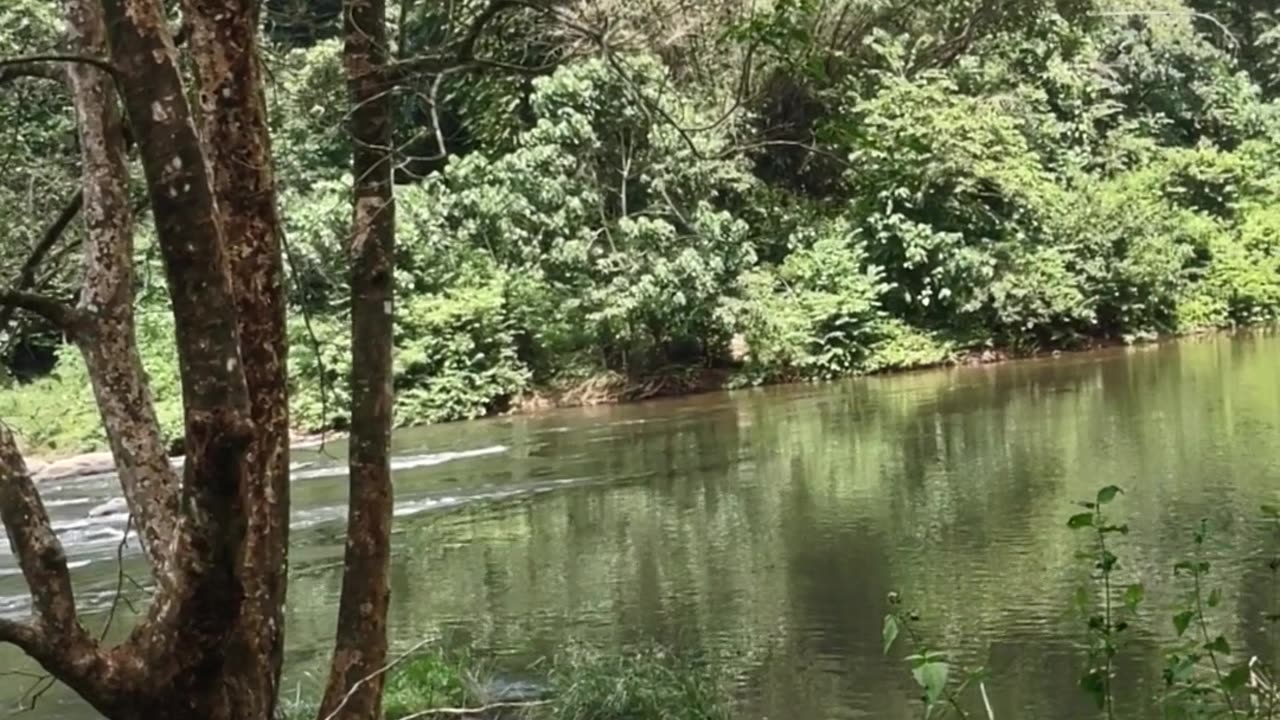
x=355, y=684
x=233, y=113
x=210, y=645
x=179, y=661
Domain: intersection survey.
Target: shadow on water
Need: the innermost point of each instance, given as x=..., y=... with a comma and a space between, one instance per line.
x=767, y=526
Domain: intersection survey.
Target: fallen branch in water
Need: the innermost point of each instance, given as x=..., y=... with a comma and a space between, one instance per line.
x=477, y=710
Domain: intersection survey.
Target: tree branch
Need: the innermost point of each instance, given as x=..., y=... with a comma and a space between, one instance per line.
x=27, y=275
x=99, y=63
x=466, y=50
x=31, y=535
x=23, y=635
x=462, y=57
x=37, y=70
x=51, y=309
x=482, y=711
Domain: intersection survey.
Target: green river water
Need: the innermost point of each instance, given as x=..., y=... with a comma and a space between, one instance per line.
x=766, y=527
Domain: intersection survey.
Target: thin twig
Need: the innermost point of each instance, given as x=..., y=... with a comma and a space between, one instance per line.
x=311, y=336
x=115, y=600
x=477, y=710
x=99, y=63
x=27, y=274
x=375, y=674
x=35, y=692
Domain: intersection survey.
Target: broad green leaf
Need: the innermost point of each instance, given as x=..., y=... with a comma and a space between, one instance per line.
x=1182, y=621
x=932, y=677
x=1080, y=520
x=1215, y=598
x=890, y=632
x=1107, y=494
x=1219, y=645
x=1237, y=678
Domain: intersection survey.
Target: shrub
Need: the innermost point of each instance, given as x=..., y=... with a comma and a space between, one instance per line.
x=647, y=684
x=900, y=346
x=455, y=359
x=433, y=680
x=816, y=315
x=455, y=355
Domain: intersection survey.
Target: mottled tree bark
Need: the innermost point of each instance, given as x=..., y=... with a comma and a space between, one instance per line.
x=107, y=339
x=233, y=113
x=175, y=662
x=361, y=649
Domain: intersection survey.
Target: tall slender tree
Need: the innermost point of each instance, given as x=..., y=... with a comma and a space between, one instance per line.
x=361, y=644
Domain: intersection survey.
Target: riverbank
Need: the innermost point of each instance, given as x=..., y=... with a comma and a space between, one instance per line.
x=611, y=388
x=579, y=681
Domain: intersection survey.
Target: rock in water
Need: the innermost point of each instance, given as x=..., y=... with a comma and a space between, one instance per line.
x=78, y=466
x=114, y=506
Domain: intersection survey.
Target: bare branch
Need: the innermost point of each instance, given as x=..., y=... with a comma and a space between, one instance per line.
x=38, y=70
x=27, y=60
x=51, y=309
x=39, y=552
x=462, y=57
x=27, y=275
x=373, y=676
x=466, y=51
x=23, y=635
x=482, y=711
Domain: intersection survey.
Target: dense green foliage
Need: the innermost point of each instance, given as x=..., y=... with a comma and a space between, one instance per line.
x=814, y=190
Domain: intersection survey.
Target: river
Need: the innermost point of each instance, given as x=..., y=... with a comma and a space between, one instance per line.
x=766, y=527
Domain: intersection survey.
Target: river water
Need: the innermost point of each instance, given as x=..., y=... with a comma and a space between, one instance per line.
x=766, y=528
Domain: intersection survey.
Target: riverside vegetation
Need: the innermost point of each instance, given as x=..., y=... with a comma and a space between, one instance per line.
x=605, y=201
x=730, y=196
x=1203, y=677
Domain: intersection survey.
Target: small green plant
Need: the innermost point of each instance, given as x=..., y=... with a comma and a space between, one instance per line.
x=1202, y=679
x=648, y=684
x=1107, y=618
x=433, y=680
x=932, y=670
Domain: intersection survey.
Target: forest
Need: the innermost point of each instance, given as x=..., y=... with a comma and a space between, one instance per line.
x=231, y=222
x=633, y=199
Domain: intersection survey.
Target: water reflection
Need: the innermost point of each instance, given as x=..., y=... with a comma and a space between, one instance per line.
x=767, y=526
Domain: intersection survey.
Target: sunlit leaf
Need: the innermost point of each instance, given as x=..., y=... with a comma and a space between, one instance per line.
x=1107, y=494
x=890, y=631
x=932, y=677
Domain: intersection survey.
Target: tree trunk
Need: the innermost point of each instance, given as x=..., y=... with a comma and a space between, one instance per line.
x=107, y=339
x=224, y=43
x=361, y=648
x=180, y=661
